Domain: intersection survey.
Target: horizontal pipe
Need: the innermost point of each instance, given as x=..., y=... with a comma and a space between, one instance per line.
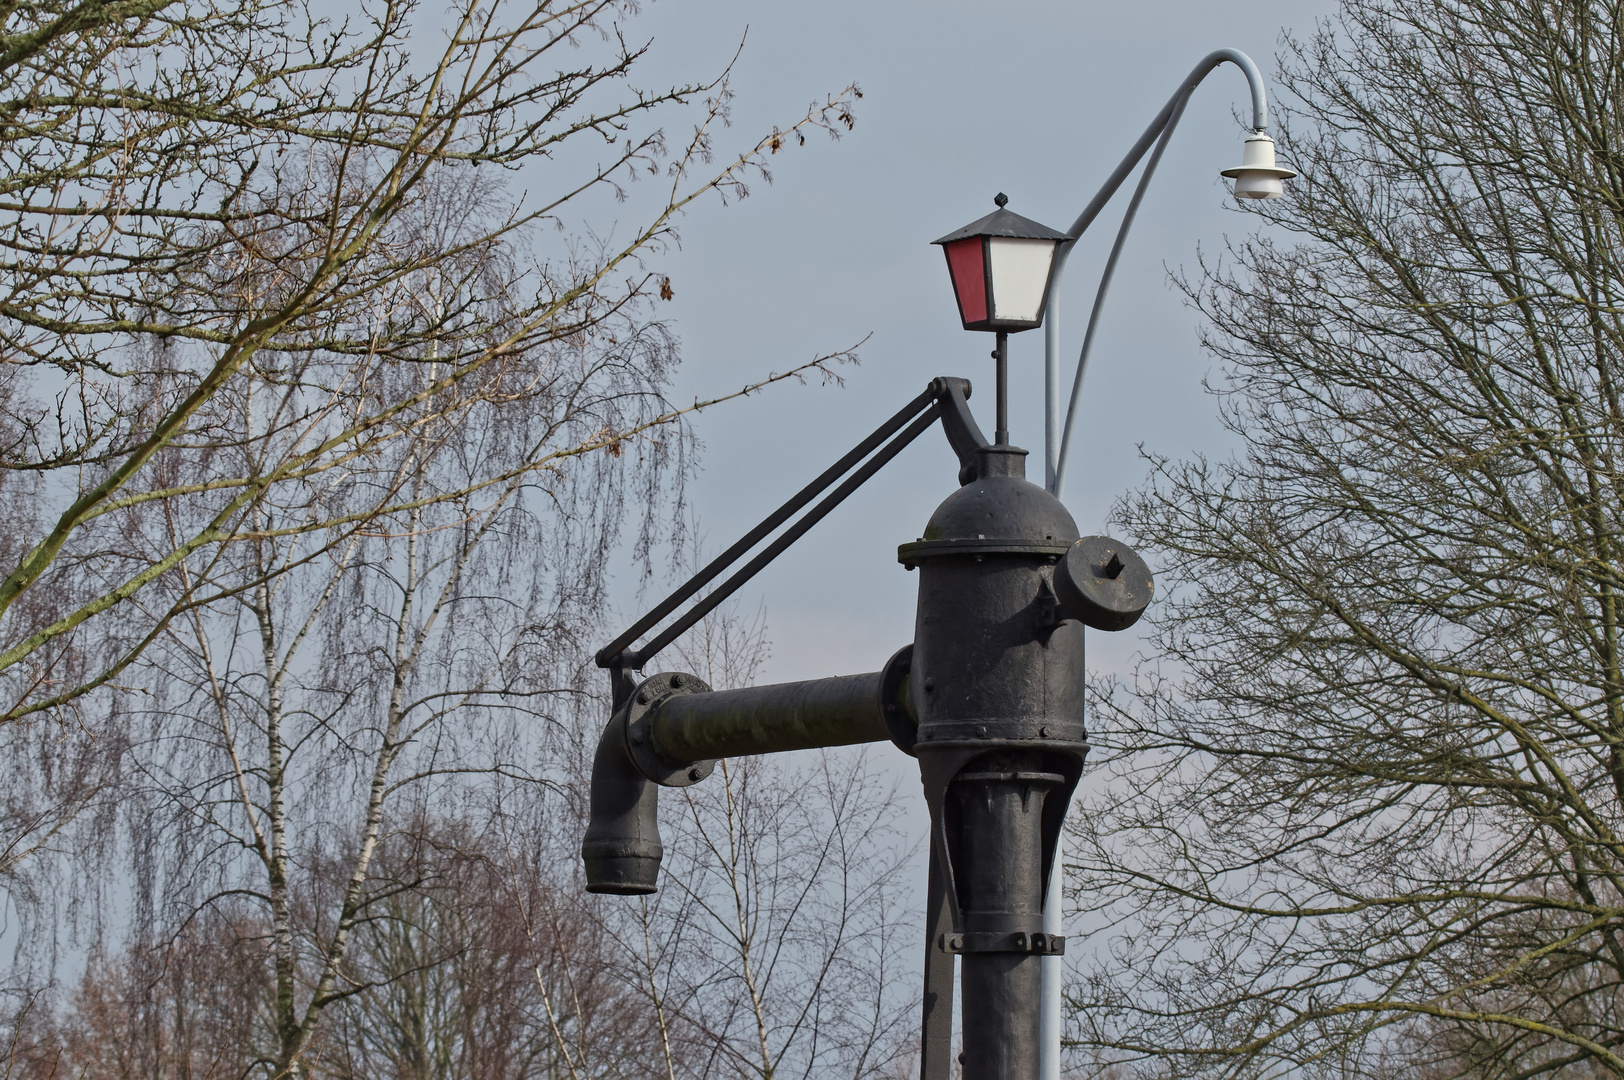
x=840, y=711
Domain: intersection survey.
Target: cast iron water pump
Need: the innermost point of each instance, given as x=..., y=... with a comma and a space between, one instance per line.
x=988, y=698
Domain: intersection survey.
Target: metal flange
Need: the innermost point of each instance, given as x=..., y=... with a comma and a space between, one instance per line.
x=641, y=710
x=897, y=709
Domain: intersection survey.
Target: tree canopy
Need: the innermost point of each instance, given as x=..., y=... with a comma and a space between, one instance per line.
x=245, y=247
x=1363, y=815
x=327, y=394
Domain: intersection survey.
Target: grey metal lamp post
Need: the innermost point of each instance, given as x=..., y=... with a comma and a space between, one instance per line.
x=1257, y=177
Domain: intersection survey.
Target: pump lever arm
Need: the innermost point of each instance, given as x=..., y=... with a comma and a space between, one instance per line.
x=963, y=434
x=943, y=397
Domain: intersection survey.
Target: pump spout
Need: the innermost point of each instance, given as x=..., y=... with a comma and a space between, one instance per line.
x=622, y=846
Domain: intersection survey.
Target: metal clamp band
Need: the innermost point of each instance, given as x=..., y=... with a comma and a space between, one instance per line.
x=1015, y=942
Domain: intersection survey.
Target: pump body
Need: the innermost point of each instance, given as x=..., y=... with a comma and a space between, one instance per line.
x=997, y=686
x=988, y=698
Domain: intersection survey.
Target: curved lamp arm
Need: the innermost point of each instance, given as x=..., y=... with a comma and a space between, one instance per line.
x=1157, y=134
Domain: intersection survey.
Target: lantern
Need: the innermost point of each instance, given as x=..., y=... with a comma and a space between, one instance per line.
x=1000, y=267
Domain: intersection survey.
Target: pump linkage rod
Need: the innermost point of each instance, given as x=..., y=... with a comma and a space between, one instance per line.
x=945, y=398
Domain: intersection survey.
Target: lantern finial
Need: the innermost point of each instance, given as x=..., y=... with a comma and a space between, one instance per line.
x=1000, y=200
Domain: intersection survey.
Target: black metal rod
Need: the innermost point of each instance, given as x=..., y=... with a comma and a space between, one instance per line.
x=609, y=653
x=839, y=711
x=786, y=538
x=1001, y=354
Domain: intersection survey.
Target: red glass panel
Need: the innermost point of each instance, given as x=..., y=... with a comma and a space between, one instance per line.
x=964, y=262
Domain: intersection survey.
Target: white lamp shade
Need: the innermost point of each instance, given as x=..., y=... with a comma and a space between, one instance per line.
x=1019, y=273
x=1253, y=185
x=1259, y=177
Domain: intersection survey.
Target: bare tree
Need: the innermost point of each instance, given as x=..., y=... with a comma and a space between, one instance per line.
x=471, y=964
x=779, y=944
x=783, y=947
x=779, y=949
x=214, y=211
x=179, y=1009
x=352, y=687
x=785, y=904
x=333, y=447
x=487, y=968
x=1365, y=819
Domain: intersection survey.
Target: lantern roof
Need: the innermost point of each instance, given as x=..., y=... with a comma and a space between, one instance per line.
x=1003, y=222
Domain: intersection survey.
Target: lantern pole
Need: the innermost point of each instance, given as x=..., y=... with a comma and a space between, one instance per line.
x=1057, y=435
x=1000, y=353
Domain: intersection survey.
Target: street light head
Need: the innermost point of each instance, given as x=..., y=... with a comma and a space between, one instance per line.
x=1000, y=266
x=1258, y=176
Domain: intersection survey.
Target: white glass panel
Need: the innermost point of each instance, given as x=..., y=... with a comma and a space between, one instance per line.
x=1020, y=269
